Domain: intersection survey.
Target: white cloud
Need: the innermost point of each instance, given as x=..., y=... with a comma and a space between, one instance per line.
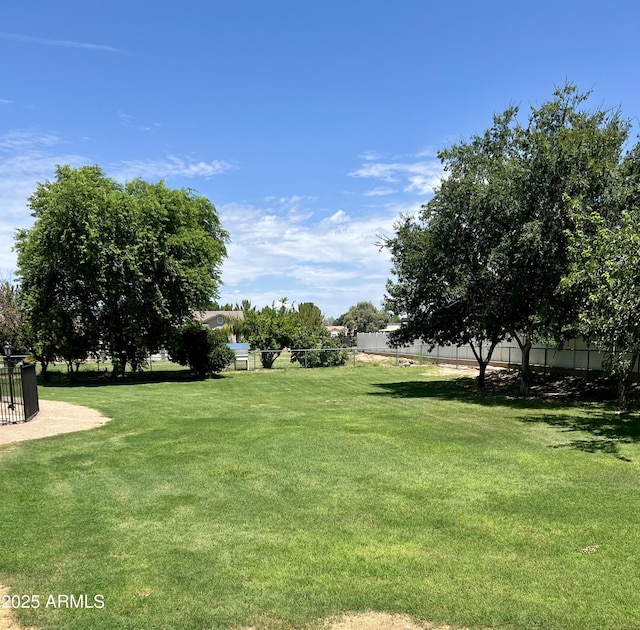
x=127, y=120
x=423, y=184
x=27, y=39
x=370, y=155
x=13, y=140
x=171, y=166
x=333, y=261
x=380, y=191
x=378, y=170
x=331, y=258
x=421, y=177
x=428, y=152
x=338, y=217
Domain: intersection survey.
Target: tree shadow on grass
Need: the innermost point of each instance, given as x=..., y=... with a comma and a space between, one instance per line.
x=103, y=379
x=606, y=429
x=603, y=429
x=462, y=388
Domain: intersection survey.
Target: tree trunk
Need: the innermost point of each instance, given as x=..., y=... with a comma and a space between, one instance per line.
x=44, y=370
x=525, y=370
x=119, y=363
x=267, y=359
x=483, y=361
x=622, y=394
x=623, y=383
x=525, y=349
x=482, y=368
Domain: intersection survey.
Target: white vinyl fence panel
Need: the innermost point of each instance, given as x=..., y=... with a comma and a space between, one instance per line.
x=576, y=355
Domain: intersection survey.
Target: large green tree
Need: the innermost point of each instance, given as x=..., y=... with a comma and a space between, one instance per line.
x=606, y=268
x=604, y=274
x=447, y=284
x=310, y=316
x=115, y=266
x=364, y=317
x=565, y=151
x=495, y=233
x=269, y=330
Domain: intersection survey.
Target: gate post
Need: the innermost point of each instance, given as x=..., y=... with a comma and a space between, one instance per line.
x=8, y=363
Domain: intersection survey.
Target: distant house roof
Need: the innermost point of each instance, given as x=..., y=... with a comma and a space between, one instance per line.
x=391, y=326
x=211, y=317
x=337, y=330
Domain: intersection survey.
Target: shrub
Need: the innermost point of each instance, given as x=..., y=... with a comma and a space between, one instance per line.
x=205, y=351
x=322, y=350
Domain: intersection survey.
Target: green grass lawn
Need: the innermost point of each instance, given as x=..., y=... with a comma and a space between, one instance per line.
x=276, y=498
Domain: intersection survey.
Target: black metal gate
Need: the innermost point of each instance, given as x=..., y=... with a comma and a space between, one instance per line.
x=18, y=393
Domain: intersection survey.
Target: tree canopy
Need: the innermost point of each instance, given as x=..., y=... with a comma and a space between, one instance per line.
x=485, y=257
x=604, y=273
x=115, y=267
x=364, y=317
x=310, y=316
x=269, y=330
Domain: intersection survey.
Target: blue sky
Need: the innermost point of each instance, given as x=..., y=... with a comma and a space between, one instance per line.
x=310, y=125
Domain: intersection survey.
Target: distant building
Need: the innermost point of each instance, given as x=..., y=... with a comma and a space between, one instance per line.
x=216, y=319
x=337, y=331
x=391, y=326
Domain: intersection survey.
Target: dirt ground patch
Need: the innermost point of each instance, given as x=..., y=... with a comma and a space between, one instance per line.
x=362, y=621
x=380, y=621
x=6, y=617
x=460, y=370
x=463, y=369
x=53, y=418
